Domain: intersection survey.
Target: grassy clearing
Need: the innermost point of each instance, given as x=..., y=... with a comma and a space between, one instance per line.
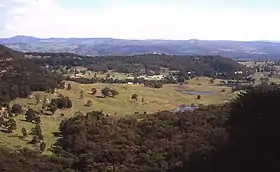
x=166, y=98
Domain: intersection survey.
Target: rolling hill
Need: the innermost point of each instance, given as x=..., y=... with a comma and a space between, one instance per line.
x=109, y=46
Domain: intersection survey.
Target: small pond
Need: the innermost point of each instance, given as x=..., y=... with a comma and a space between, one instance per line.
x=198, y=92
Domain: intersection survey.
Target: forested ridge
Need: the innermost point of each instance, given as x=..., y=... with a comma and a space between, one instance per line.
x=201, y=65
x=19, y=76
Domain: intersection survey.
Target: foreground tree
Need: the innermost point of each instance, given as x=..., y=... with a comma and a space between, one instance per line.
x=16, y=109
x=10, y=125
x=42, y=146
x=93, y=91
x=114, y=92
x=134, y=97
x=30, y=115
x=105, y=92
x=69, y=87
x=24, y=132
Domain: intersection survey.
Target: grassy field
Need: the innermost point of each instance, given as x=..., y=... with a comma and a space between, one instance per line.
x=166, y=98
x=258, y=75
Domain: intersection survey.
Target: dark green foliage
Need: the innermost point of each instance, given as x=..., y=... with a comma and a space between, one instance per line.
x=114, y=92
x=37, y=120
x=93, y=91
x=10, y=125
x=24, y=132
x=251, y=142
x=81, y=95
x=17, y=109
x=156, y=142
x=105, y=92
x=42, y=146
x=69, y=87
x=200, y=65
x=37, y=98
x=23, y=77
x=109, y=92
x=60, y=103
x=153, y=84
x=28, y=161
x=30, y=115
x=134, y=97
x=37, y=134
x=53, y=108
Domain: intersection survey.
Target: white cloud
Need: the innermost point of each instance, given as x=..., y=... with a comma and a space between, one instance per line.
x=45, y=18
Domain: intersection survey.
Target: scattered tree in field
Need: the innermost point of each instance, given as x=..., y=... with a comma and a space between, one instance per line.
x=223, y=90
x=42, y=146
x=45, y=103
x=16, y=109
x=30, y=115
x=37, y=134
x=69, y=87
x=108, y=76
x=143, y=100
x=37, y=98
x=10, y=125
x=212, y=80
x=134, y=97
x=105, y=92
x=2, y=121
x=93, y=91
x=5, y=115
x=52, y=108
x=60, y=103
x=62, y=85
x=37, y=120
x=198, y=97
x=24, y=132
x=81, y=94
x=88, y=103
x=114, y=92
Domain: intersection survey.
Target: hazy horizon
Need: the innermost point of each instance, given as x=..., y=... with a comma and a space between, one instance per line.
x=278, y=41
x=251, y=20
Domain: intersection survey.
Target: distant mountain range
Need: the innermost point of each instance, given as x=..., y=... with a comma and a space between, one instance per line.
x=109, y=46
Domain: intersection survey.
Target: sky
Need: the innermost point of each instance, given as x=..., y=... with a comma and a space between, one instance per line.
x=243, y=20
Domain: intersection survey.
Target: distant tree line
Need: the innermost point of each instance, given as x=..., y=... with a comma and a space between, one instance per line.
x=199, y=65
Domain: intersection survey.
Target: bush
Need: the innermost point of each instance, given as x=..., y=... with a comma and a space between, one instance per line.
x=17, y=109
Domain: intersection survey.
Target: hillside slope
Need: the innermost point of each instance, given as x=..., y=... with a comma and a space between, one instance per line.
x=19, y=77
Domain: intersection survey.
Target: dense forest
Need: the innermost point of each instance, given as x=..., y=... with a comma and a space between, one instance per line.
x=19, y=76
x=200, y=65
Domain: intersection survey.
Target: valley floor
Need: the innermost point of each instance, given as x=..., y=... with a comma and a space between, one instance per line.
x=166, y=98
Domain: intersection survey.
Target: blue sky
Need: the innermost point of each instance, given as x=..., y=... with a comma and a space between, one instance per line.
x=142, y=19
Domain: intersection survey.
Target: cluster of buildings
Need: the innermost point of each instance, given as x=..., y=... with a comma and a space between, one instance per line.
x=152, y=77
